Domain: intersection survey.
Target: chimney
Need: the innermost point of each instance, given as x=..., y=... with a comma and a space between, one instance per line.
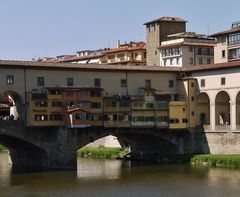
x=118, y=44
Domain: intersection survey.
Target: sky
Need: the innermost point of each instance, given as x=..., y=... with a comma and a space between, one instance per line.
x=32, y=29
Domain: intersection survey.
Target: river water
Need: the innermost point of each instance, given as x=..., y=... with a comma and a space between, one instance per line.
x=118, y=178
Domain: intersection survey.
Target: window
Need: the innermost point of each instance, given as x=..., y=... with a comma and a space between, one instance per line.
x=79, y=117
x=150, y=105
x=69, y=93
x=147, y=83
x=177, y=61
x=223, y=54
x=202, y=82
x=96, y=105
x=40, y=81
x=184, y=120
x=97, y=82
x=190, y=60
x=136, y=54
x=192, y=98
x=155, y=52
x=171, y=61
x=190, y=49
x=208, y=61
x=170, y=83
x=111, y=104
x=95, y=93
x=164, y=62
x=83, y=93
x=56, y=104
x=162, y=118
x=199, y=51
x=193, y=113
x=55, y=117
x=10, y=79
x=192, y=85
x=223, y=81
x=208, y=51
x=123, y=83
x=41, y=104
x=200, y=61
x=69, y=81
x=145, y=55
x=183, y=109
x=41, y=117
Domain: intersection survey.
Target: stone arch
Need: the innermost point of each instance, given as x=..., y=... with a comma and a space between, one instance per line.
x=222, y=108
x=203, y=109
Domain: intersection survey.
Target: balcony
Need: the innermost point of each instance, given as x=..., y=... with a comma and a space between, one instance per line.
x=39, y=96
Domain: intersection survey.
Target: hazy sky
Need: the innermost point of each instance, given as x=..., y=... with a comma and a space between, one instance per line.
x=31, y=29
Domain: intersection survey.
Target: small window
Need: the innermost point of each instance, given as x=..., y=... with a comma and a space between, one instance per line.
x=202, y=82
x=10, y=79
x=208, y=61
x=155, y=52
x=177, y=61
x=193, y=113
x=69, y=81
x=171, y=61
x=192, y=85
x=164, y=62
x=41, y=117
x=223, y=81
x=56, y=104
x=40, y=81
x=223, y=54
x=199, y=51
x=97, y=82
x=147, y=83
x=170, y=83
x=184, y=120
x=123, y=83
x=192, y=98
x=191, y=60
x=200, y=61
x=183, y=109
x=145, y=55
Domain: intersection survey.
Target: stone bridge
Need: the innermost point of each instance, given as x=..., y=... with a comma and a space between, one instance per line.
x=56, y=147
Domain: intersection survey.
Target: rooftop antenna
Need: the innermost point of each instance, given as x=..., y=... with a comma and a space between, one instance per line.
x=208, y=29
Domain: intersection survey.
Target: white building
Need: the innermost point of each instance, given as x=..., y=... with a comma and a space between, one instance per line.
x=186, y=49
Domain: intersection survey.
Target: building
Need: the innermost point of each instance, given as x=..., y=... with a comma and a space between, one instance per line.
x=157, y=31
x=133, y=53
x=227, y=48
x=188, y=48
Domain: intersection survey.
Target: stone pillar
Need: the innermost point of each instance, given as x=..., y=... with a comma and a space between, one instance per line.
x=233, y=115
x=212, y=115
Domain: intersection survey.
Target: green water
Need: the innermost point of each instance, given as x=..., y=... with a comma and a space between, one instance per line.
x=117, y=178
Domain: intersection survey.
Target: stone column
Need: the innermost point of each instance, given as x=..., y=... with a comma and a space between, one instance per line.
x=212, y=115
x=233, y=115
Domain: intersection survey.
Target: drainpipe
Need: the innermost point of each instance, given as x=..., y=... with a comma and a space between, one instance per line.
x=25, y=99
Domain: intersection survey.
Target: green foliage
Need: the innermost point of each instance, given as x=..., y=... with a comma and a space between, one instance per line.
x=100, y=153
x=229, y=161
x=2, y=148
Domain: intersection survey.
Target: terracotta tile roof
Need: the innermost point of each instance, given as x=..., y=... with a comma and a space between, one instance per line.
x=187, y=44
x=233, y=30
x=126, y=48
x=167, y=19
x=79, y=58
x=95, y=67
x=211, y=66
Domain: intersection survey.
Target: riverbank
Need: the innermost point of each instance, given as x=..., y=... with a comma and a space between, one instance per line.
x=226, y=161
x=101, y=153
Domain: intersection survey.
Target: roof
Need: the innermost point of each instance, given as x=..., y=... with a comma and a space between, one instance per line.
x=167, y=19
x=187, y=44
x=127, y=48
x=78, y=58
x=74, y=88
x=207, y=67
x=117, y=68
x=233, y=30
x=94, y=67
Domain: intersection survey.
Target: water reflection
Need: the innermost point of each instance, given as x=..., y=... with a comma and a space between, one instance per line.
x=99, y=169
x=117, y=178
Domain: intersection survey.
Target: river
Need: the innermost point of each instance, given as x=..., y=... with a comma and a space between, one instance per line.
x=118, y=178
